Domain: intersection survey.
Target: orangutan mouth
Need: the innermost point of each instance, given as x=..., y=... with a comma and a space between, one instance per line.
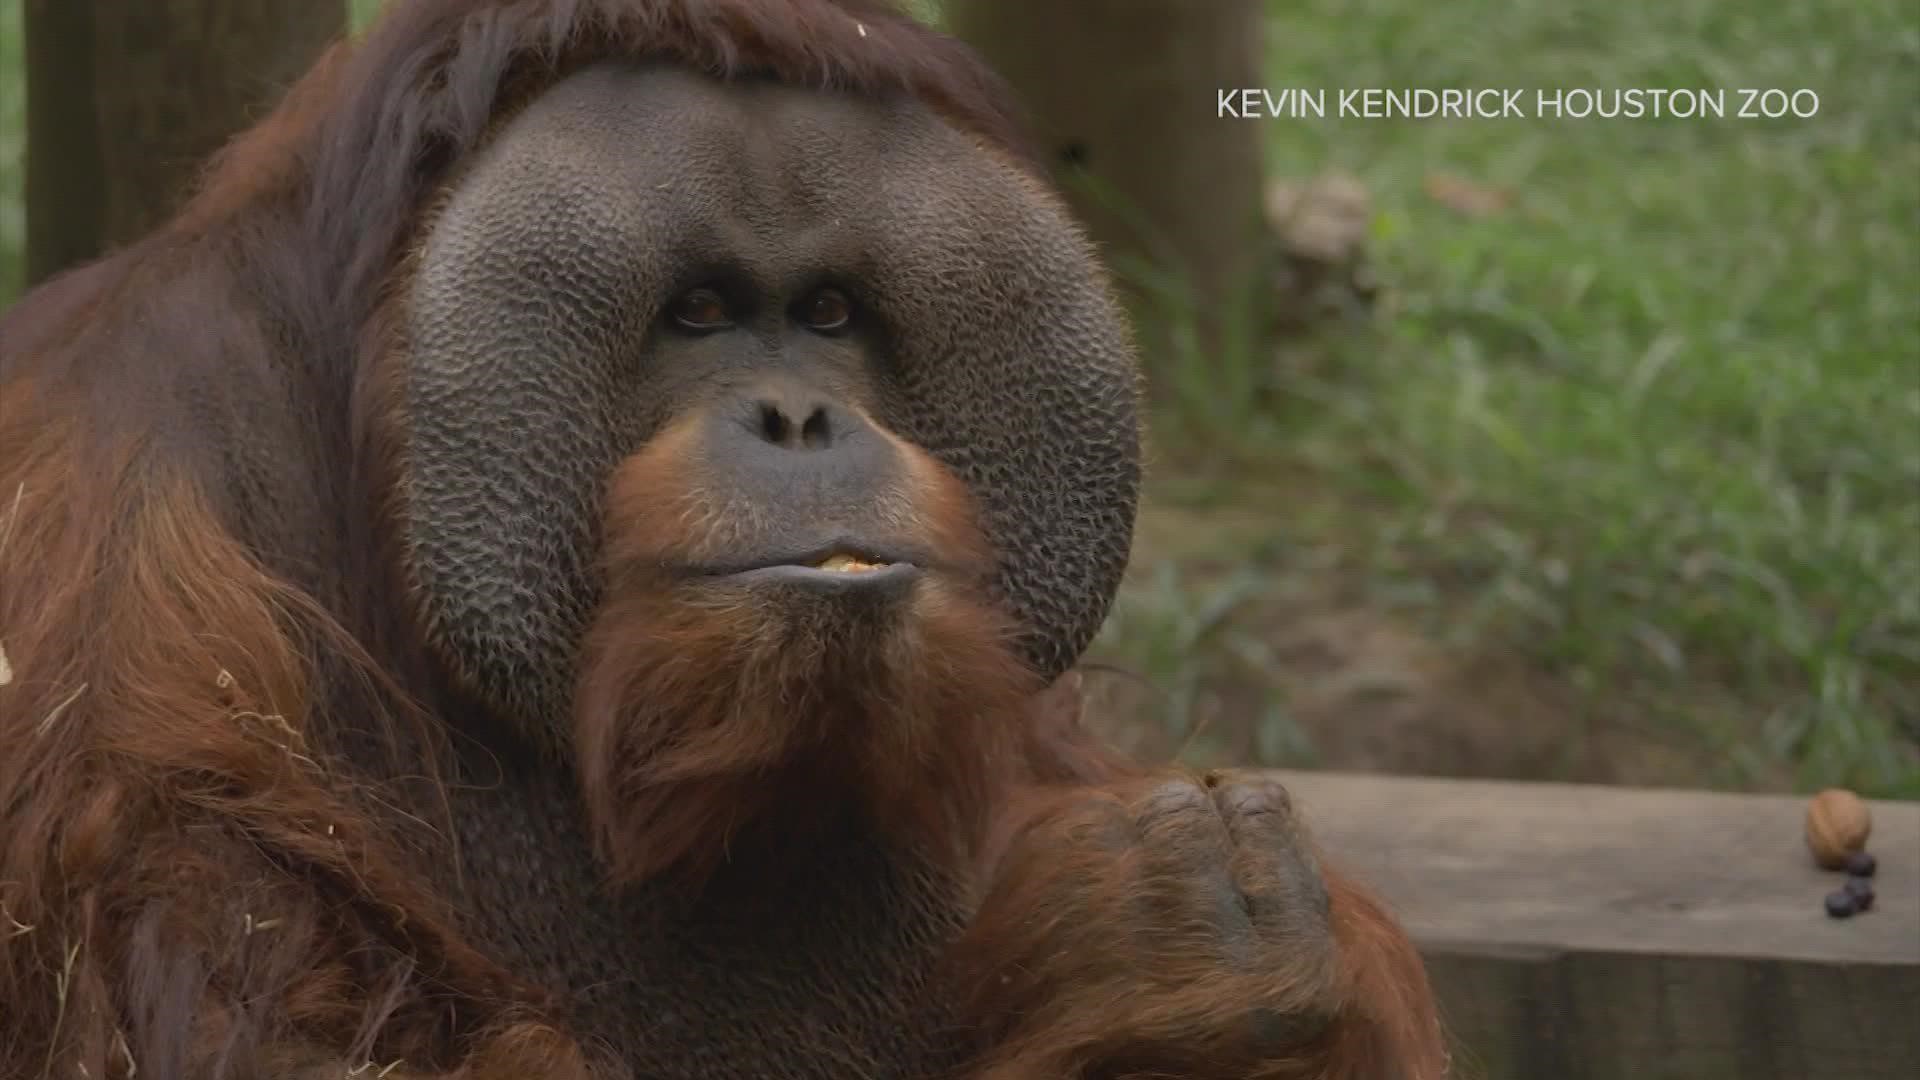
x=842, y=563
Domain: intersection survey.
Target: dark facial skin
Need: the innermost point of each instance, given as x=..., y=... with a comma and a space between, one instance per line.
x=807, y=305
x=641, y=243
x=811, y=479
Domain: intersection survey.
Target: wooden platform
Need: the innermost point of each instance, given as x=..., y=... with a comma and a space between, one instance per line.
x=1594, y=933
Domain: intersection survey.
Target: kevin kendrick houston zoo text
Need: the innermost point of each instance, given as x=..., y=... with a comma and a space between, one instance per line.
x=1576, y=103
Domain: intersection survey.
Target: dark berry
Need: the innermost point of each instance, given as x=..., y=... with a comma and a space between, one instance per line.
x=1861, y=864
x=1840, y=904
x=1861, y=889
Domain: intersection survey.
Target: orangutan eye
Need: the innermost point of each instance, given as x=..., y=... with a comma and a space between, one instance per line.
x=701, y=309
x=827, y=310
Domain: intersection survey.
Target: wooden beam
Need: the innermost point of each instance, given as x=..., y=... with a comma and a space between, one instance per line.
x=1594, y=933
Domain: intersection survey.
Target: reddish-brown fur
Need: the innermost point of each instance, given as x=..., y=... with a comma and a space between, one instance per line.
x=189, y=879
x=696, y=718
x=1055, y=993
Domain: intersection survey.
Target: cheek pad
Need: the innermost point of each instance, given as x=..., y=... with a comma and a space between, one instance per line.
x=534, y=292
x=1017, y=370
x=519, y=387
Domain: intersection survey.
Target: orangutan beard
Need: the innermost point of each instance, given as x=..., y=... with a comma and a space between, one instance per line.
x=704, y=712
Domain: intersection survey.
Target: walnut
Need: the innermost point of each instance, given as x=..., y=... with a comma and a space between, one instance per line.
x=1837, y=826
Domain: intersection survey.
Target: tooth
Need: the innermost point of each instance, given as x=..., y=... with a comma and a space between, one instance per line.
x=845, y=564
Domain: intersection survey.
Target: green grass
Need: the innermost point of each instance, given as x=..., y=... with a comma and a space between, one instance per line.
x=1657, y=426
x=1651, y=433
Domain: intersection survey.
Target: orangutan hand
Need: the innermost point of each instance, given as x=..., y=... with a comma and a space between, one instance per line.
x=1172, y=925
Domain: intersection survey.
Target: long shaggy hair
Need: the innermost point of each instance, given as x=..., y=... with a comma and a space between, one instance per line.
x=196, y=580
x=198, y=623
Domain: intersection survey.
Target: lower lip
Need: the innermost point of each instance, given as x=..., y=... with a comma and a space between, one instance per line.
x=812, y=577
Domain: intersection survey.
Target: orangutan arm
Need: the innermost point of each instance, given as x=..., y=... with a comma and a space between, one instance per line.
x=1181, y=924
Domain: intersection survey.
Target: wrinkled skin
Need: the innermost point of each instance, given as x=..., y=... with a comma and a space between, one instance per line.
x=991, y=342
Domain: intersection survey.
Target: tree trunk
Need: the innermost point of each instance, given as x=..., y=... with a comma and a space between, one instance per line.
x=1124, y=93
x=126, y=99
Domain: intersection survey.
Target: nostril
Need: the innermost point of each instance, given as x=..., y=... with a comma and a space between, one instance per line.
x=774, y=425
x=817, y=432
x=793, y=420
